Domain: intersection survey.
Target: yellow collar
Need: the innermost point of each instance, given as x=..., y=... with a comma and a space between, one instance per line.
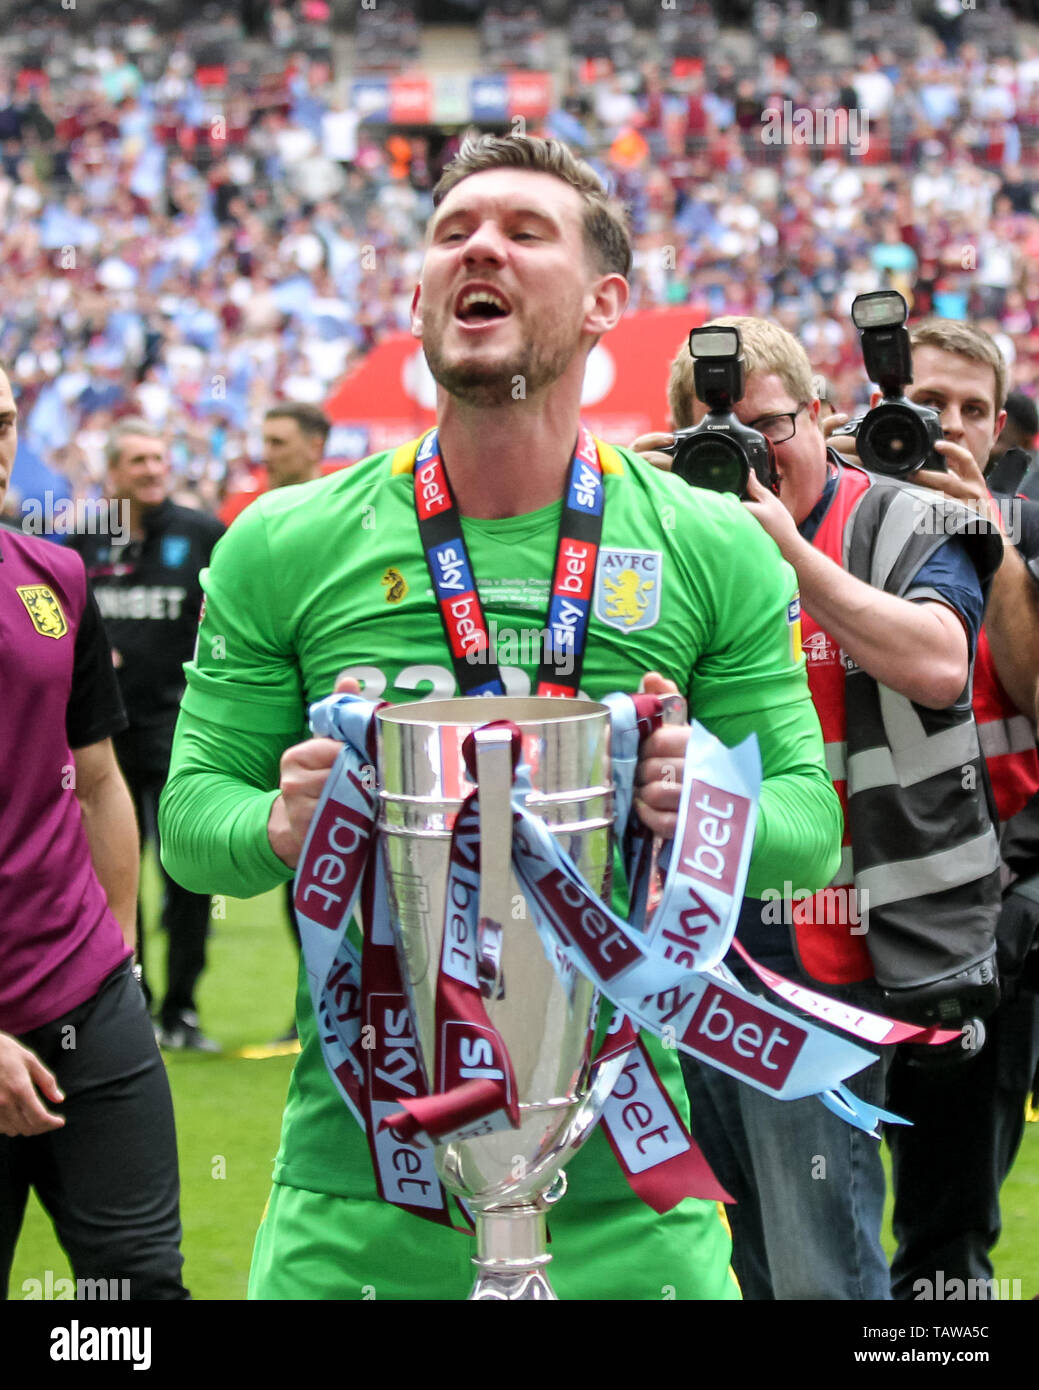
x=404, y=458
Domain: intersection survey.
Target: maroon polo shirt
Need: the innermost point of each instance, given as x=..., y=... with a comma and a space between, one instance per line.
x=58, y=937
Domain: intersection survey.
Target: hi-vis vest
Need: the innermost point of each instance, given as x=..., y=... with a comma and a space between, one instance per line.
x=917, y=892
x=1007, y=738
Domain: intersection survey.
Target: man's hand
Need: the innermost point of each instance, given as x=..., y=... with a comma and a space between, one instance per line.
x=658, y=777
x=21, y=1075
x=964, y=481
x=304, y=772
x=649, y=446
x=844, y=443
x=766, y=508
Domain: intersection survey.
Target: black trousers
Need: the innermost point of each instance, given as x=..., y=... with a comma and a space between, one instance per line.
x=948, y=1168
x=108, y=1179
x=185, y=916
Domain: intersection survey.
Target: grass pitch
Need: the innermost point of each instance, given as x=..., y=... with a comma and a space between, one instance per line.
x=229, y=1114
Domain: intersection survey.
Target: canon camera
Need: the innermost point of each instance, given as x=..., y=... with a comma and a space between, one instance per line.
x=720, y=452
x=896, y=437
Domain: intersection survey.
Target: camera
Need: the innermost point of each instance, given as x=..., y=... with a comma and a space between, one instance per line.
x=959, y=1001
x=720, y=452
x=897, y=436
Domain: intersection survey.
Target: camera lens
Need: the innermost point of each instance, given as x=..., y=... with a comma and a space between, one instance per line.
x=712, y=462
x=892, y=440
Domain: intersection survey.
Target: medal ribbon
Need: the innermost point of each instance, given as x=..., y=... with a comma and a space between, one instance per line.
x=573, y=575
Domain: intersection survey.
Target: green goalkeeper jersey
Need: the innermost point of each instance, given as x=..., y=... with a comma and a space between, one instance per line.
x=329, y=578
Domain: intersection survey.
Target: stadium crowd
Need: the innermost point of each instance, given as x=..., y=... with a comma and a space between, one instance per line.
x=193, y=243
x=185, y=244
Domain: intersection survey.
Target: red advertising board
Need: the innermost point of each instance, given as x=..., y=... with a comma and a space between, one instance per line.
x=530, y=95
x=411, y=101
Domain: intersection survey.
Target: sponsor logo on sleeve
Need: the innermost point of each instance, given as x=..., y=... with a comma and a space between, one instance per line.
x=793, y=619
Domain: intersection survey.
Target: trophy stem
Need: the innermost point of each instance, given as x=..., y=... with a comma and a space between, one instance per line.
x=511, y=1253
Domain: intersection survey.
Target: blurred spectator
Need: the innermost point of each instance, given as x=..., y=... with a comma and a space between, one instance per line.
x=145, y=578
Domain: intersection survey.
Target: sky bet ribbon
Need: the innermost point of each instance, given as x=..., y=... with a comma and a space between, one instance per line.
x=580, y=530
x=475, y=1089
x=650, y=977
x=670, y=979
x=667, y=978
x=363, y=1016
x=364, y=1021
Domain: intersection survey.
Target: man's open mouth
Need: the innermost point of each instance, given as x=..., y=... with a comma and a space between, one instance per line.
x=481, y=306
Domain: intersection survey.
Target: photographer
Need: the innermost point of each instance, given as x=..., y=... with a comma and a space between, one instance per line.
x=1011, y=465
x=968, y=1122
x=810, y=1192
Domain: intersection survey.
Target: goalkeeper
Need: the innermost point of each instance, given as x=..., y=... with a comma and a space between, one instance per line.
x=525, y=269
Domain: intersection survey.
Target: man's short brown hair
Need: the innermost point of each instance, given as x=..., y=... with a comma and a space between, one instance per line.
x=607, y=234
x=965, y=340
x=767, y=349
x=311, y=419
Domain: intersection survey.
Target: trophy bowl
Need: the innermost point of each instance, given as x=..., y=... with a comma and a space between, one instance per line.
x=544, y=1011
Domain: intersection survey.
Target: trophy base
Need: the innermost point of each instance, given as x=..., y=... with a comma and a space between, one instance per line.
x=509, y=1288
x=511, y=1255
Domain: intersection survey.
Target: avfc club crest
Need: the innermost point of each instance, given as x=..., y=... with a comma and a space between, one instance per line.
x=44, y=610
x=627, y=588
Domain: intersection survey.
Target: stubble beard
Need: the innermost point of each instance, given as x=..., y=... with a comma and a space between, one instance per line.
x=496, y=383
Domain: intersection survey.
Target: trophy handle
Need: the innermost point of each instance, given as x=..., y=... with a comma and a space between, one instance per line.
x=673, y=711
x=494, y=780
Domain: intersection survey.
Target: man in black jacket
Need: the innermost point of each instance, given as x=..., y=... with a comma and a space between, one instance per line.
x=149, y=595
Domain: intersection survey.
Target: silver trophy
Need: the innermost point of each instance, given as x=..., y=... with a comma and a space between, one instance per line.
x=510, y=1178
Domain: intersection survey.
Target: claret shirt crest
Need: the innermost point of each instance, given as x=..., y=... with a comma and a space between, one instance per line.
x=44, y=610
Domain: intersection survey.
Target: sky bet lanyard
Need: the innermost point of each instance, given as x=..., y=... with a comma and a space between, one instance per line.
x=580, y=531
